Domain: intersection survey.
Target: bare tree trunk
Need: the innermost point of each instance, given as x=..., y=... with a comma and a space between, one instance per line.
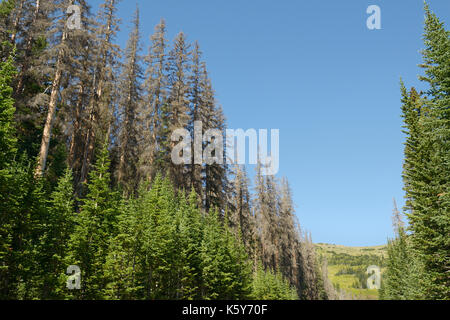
x=16, y=22
x=89, y=148
x=45, y=143
x=75, y=130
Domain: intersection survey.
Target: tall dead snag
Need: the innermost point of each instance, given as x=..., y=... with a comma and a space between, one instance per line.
x=65, y=48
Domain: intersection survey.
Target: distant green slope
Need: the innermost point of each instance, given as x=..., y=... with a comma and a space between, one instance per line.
x=347, y=267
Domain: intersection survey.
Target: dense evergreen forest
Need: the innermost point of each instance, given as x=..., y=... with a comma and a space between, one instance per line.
x=86, y=177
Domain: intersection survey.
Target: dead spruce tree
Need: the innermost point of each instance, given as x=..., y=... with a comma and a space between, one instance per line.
x=97, y=117
x=209, y=179
x=177, y=107
x=129, y=112
x=154, y=97
x=242, y=221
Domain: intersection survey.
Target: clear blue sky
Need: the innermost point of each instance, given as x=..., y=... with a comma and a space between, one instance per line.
x=313, y=70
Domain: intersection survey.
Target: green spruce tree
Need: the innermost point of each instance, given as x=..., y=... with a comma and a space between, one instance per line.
x=96, y=224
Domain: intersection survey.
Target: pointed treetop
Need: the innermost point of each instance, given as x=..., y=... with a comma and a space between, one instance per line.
x=397, y=221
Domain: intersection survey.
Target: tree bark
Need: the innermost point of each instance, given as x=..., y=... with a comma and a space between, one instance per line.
x=45, y=143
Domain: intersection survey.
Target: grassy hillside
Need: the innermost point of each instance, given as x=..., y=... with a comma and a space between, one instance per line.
x=347, y=267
